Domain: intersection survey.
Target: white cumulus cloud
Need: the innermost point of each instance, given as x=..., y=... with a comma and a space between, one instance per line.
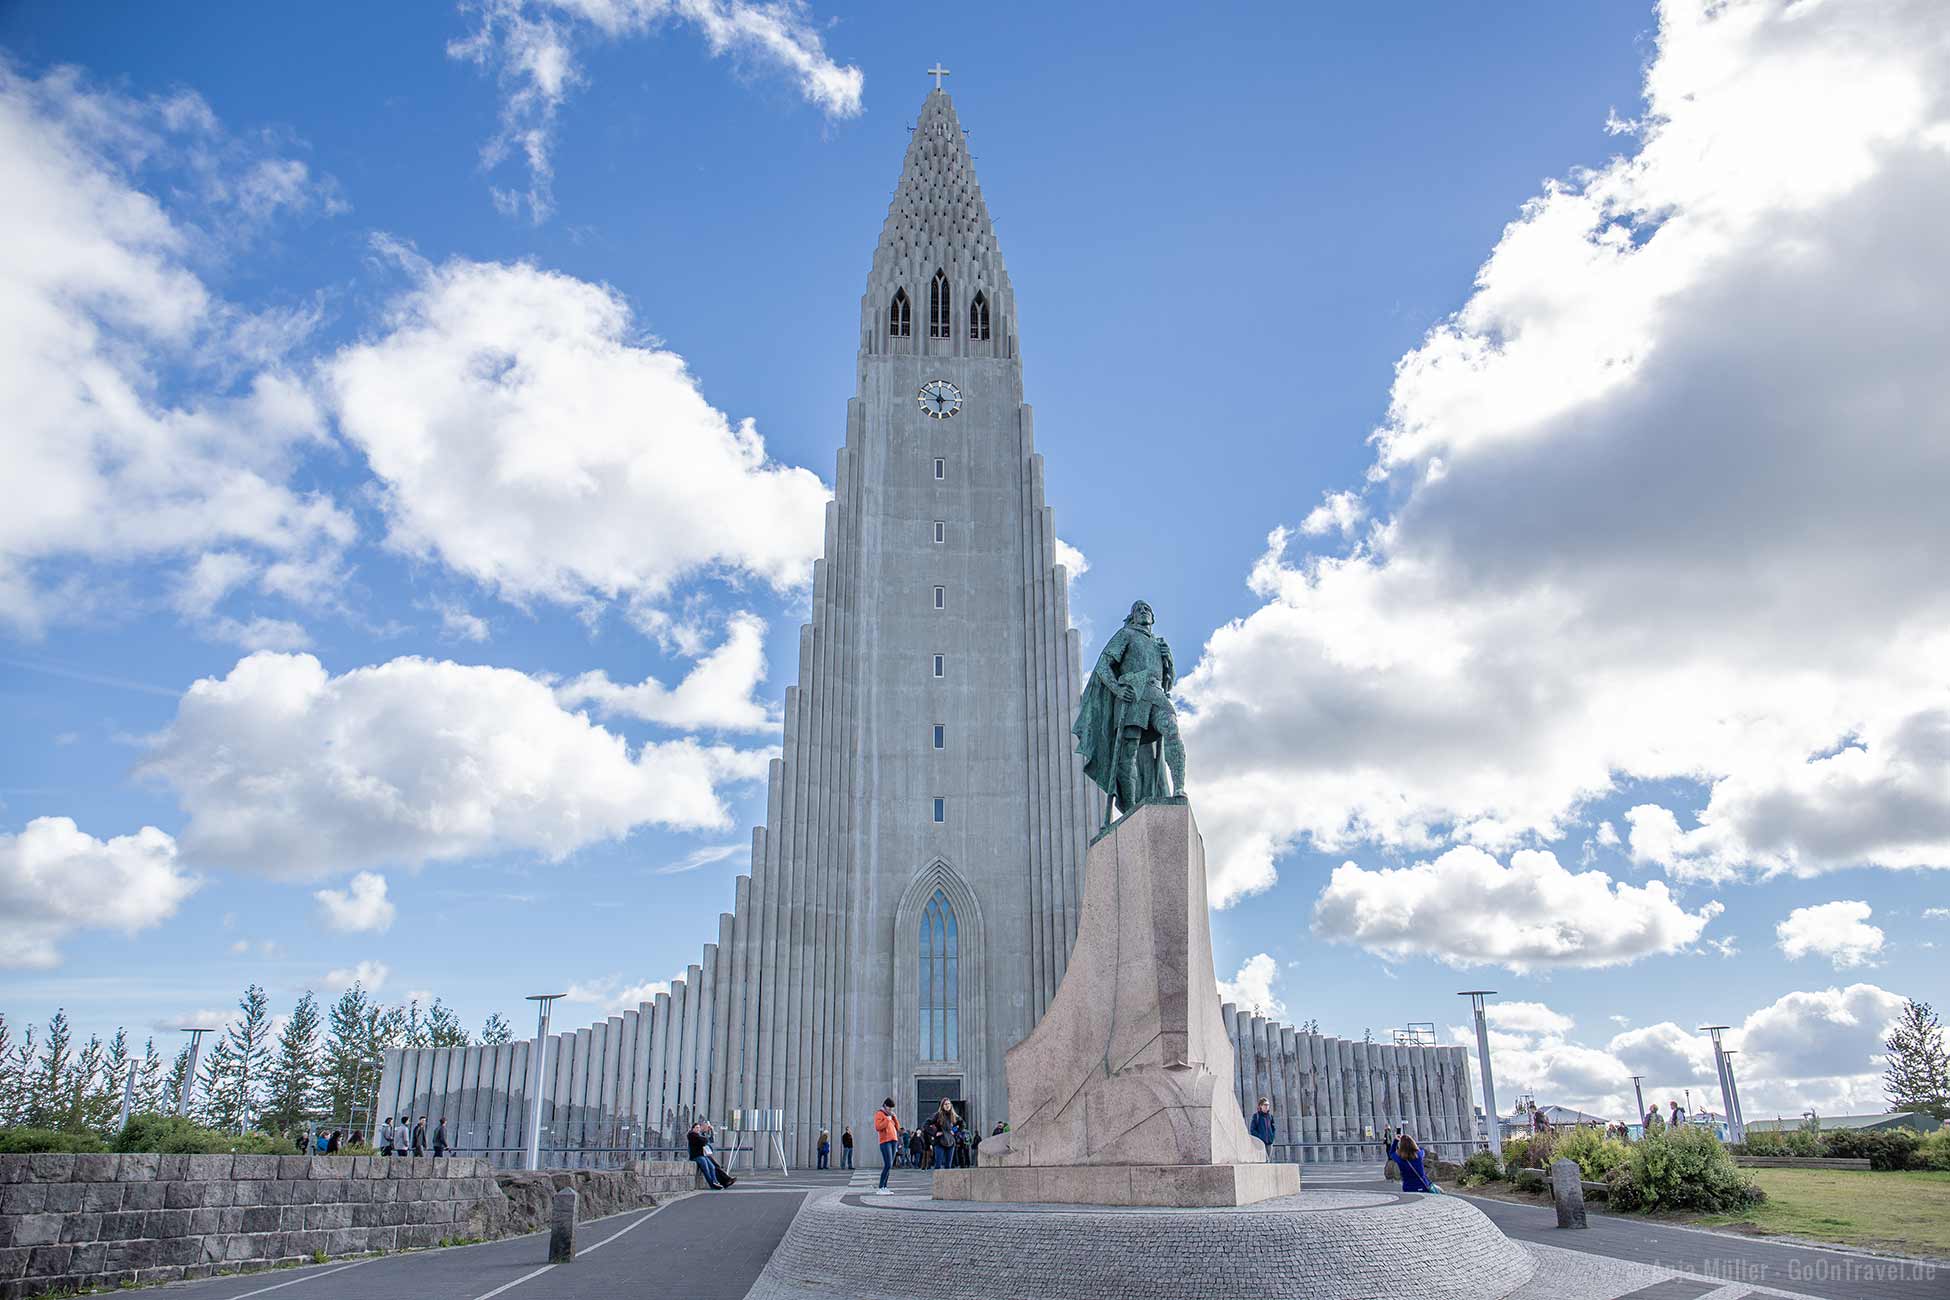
x=289, y=771
x=361, y=907
x=1663, y=499
x=1839, y=931
x=1467, y=909
x=533, y=47
x=524, y=436
x=113, y=204
x=56, y=879
x=717, y=694
x=372, y=975
x=1252, y=988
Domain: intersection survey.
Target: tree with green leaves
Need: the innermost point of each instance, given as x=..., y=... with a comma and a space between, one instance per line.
x=118, y=1068
x=239, y=1063
x=346, y=1060
x=47, y=1087
x=150, y=1085
x=82, y=1109
x=496, y=1031
x=443, y=1027
x=13, y=1083
x=1917, y=1076
x=292, y=1086
x=177, y=1086
x=215, y=1103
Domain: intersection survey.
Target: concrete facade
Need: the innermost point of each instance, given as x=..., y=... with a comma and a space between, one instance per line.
x=938, y=543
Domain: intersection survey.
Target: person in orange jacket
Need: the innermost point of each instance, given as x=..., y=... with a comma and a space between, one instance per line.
x=886, y=1127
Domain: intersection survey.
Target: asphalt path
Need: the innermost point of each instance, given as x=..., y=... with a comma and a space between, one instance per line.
x=707, y=1246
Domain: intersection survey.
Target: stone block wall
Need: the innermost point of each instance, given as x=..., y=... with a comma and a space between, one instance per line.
x=69, y=1221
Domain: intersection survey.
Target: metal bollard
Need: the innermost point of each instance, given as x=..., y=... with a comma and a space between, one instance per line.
x=562, y=1233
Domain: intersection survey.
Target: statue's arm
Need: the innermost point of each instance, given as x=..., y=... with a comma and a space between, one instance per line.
x=1106, y=669
x=1170, y=673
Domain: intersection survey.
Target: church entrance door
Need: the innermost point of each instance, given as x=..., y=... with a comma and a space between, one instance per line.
x=928, y=1092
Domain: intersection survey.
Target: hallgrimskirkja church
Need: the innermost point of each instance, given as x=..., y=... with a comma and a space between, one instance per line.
x=913, y=893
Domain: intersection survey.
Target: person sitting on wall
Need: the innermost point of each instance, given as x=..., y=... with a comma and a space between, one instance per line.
x=705, y=1159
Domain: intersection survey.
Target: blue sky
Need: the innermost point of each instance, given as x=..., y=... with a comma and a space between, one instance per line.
x=1633, y=523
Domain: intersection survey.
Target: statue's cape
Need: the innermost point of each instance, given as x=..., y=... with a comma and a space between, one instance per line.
x=1096, y=732
x=1097, y=727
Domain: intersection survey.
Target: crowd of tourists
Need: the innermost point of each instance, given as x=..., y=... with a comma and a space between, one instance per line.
x=391, y=1139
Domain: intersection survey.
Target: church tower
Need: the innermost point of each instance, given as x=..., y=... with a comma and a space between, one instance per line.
x=913, y=893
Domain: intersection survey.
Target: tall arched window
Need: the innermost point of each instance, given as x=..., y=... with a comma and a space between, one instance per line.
x=938, y=317
x=940, y=982
x=897, y=315
x=978, y=316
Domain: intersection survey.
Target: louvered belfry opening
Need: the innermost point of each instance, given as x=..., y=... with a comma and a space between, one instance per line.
x=938, y=307
x=978, y=317
x=898, y=325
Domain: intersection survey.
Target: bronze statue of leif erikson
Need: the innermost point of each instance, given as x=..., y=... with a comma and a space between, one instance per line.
x=1126, y=728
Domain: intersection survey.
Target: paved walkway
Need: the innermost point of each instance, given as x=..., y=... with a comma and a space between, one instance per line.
x=708, y=1246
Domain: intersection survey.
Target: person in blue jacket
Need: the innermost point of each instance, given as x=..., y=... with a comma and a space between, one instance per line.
x=1408, y=1159
x=1262, y=1126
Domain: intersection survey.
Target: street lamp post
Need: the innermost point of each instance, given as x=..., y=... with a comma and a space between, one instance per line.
x=1639, y=1093
x=542, y=1002
x=1476, y=997
x=1720, y=1069
x=1736, y=1114
x=189, y=1070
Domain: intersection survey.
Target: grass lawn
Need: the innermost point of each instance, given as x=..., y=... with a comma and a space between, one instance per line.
x=1908, y=1212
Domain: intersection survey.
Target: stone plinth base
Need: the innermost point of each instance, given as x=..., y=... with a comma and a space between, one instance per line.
x=1321, y=1245
x=1188, y=1186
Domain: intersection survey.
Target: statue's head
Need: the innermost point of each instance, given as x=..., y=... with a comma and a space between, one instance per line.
x=1141, y=614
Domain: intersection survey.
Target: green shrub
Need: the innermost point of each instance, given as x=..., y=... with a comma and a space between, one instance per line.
x=1596, y=1154
x=1535, y=1151
x=1883, y=1148
x=1933, y=1152
x=174, y=1135
x=35, y=1141
x=1766, y=1143
x=1683, y=1169
x=1481, y=1167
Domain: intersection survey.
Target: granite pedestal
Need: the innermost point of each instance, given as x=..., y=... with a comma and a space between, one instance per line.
x=1123, y=1092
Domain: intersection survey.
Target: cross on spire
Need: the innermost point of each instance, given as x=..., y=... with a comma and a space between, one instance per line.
x=938, y=72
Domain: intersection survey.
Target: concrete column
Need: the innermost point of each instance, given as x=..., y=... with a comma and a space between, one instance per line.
x=753, y=922
x=1364, y=1109
x=686, y=1065
x=467, y=1106
x=1350, y=1100
x=629, y=1083
x=1309, y=1044
x=788, y=1063
x=732, y=1070
x=1042, y=903
x=723, y=991
x=1247, y=1066
x=659, y=1068
x=707, y=996
x=778, y=841
x=1489, y=1080
x=585, y=1043
x=1229, y=1017
x=1333, y=1122
x=1275, y=1085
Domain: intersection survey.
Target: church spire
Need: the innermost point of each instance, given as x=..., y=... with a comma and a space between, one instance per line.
x=938, y=285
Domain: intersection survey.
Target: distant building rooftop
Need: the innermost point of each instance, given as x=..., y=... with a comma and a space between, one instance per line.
x=1920, y=1121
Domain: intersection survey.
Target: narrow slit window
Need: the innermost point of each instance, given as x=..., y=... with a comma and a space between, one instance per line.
x=940, y=736
x=978, y=316
x=941, y=598
x=898, y=315
x=938, y=309
x=940, y=809
x=940, y=468
x=941, y=665
x=940, y=532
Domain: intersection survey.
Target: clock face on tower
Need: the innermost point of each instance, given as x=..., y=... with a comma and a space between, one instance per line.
x=940, y=399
